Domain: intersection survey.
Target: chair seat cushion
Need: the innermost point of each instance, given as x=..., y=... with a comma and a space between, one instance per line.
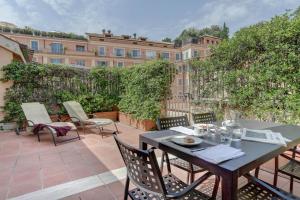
x=184, y=165
x=252, y=191
x=292, y=168
x=73, y=127
x=99, y=121
x=173, y=185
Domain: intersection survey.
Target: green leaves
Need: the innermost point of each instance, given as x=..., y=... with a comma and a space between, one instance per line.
x=145, y=87
x=260, y=69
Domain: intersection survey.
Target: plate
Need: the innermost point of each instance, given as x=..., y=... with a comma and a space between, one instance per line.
x=204, y=126
x=180, y=140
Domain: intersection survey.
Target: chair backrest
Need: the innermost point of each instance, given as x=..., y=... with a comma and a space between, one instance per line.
x=36, y=113
x=169, y=122
x=205, y=118
x=74, y=109
x=142, y=168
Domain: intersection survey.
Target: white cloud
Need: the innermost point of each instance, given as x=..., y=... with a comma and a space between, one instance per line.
x=8, y=13
x=62, y=7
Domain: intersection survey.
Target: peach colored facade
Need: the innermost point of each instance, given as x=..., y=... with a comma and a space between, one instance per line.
x=111, y=49
x=117, y=51
x=9, y=50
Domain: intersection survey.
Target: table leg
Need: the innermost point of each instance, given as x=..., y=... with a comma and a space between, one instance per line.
x=230, y=187
x=143, y=145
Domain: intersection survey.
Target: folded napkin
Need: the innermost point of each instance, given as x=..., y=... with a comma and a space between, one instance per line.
x=219, y=153
x=184, y=130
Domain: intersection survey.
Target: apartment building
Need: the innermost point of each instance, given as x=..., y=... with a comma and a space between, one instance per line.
x=108, y=50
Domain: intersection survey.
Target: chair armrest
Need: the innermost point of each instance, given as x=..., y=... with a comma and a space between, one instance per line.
x=29, y=121
x=91, y=115
x=190, y=187
x=75, y=119
x=290, y=158
x=267, y=186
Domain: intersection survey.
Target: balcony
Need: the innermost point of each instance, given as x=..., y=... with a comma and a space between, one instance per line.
x=79, y=53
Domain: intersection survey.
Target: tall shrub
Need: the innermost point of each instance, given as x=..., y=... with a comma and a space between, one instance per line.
x=260, y=69
x=145, y=87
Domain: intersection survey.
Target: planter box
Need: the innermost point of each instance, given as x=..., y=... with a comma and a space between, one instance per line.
x=124, y=118
x=113, y=115
x=145, y=125
x=62, y=118
x=8, y=126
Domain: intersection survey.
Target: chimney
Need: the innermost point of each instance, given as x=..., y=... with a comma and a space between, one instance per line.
x=103, y=31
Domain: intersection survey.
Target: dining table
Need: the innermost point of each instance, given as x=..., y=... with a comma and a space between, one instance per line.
x=256, y=153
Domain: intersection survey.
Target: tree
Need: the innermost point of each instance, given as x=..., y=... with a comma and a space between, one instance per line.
x=213, y=30
x=259, y=69
x=167, y=39
x=296, y=13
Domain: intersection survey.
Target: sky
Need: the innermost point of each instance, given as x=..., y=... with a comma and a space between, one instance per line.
x=155, y=19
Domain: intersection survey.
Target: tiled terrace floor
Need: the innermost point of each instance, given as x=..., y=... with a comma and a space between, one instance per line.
x=28, y=166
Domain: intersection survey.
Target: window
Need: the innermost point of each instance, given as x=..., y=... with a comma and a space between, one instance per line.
x=34, y=45
x=136, y=53
x=80, y=48
x=178, y=56
x=165, y=55
x=212, y=42
x=119, y=52
x=56, y=60
x=150, y=54
x=102, y=63
x=207, y=41
x=80, y=62
x=195, y=54
x=57, y=48
x=101, y=51
x=120, y=64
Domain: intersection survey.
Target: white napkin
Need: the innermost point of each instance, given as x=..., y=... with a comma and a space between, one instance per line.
x=219, y=153
x=184, y=130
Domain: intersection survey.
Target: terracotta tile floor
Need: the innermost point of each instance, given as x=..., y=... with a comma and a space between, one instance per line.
x=27, y=165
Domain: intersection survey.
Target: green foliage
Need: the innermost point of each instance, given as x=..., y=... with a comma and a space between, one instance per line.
x=167, y=39
x=214, y=30
x=145, y=87
x=30, y=31
x=138, y=90
x=259, y=69
x=97, y=90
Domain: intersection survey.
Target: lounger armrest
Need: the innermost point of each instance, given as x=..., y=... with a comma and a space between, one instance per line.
x=267, y=186
x=91, y=115
x=30, y=123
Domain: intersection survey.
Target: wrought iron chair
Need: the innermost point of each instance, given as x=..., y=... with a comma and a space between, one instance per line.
x=165, y=124
x=143, y=171
x=258, y=189
x=206, y=118
x=291, y=169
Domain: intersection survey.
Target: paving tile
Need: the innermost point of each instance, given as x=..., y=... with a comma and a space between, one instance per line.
x=3, y=193
x=5, y=176
x=24, y=177
x=26, y=187
x=55, y=179
x=7, y=162
x=97, y=193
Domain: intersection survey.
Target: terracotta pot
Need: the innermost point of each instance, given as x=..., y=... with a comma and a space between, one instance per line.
x=62, y=118
x=113, y=115
x=145, y=125
x=124, y=118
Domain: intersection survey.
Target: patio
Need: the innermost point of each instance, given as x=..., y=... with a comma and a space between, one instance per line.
x=86, y=169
